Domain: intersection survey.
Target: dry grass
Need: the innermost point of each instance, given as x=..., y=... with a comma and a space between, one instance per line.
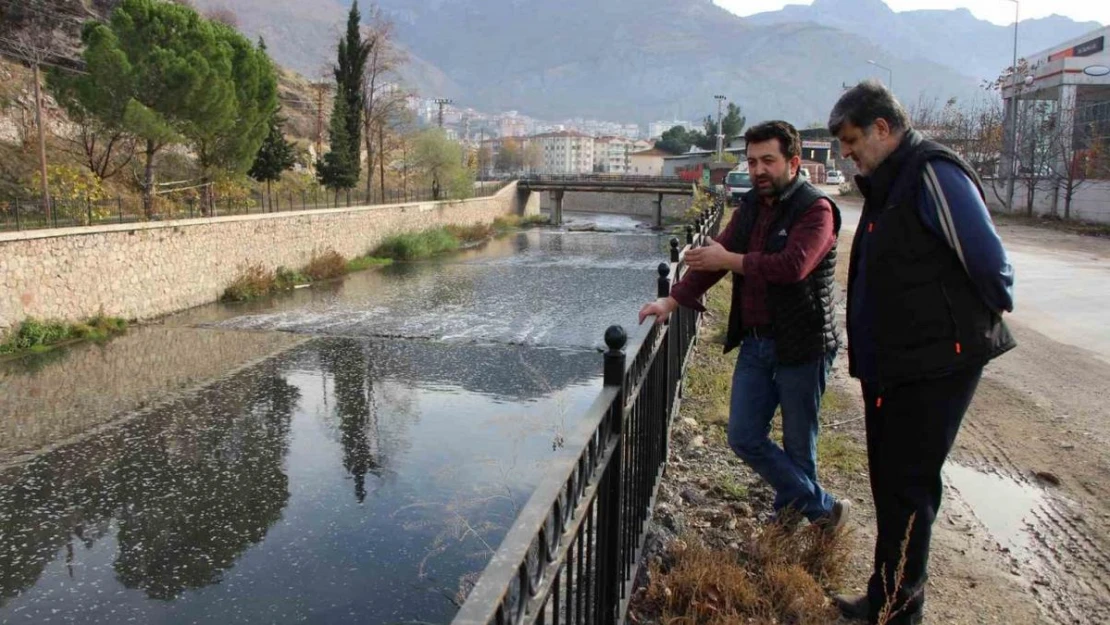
x=775, y=578
x=467, y=235
x=325, y=266
x=255, y=281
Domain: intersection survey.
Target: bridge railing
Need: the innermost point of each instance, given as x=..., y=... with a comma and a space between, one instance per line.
x=600, y=179
x=574, y=551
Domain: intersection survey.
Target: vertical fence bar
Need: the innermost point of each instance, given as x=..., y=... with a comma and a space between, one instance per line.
x=15, y=209
x=609, y=539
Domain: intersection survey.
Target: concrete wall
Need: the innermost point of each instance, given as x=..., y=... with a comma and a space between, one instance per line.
x=141, y=271
x=641, y=205
x=1090, y=203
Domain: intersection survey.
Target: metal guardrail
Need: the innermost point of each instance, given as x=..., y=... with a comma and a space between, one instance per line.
x=30, y=214
x=536, y=179
x=574, y=551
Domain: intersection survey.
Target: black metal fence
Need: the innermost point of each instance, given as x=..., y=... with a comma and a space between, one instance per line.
x=31, y=214
x=574, y=550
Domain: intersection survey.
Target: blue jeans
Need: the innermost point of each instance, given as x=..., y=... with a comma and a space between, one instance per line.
x=759, y=385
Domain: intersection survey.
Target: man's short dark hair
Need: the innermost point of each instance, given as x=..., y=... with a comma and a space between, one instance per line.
x=790, y=142
x=865, y=104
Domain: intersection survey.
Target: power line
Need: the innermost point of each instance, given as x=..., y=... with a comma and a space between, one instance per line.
x=39, y=62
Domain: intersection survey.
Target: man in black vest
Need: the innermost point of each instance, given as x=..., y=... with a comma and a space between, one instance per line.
x=780, y=246
x=928, y=282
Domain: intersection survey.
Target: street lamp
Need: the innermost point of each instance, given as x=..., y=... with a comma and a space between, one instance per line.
x=889, y=73
x=1013, y=114
x=720, y=129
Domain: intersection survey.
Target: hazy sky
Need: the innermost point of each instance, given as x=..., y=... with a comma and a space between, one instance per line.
x=997, y=11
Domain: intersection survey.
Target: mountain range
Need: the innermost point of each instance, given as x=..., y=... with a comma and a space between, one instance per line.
x=651, y=59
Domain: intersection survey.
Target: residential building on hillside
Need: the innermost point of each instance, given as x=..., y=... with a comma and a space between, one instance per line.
x=611, y=155
x=647, y=162
x=566, y=152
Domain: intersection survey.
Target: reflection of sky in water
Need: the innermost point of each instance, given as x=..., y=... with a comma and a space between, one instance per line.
x=332, y=484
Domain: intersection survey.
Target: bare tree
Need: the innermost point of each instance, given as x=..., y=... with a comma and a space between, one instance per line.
x=1080, y=156
x=223, y=15
x=384, y=96
x=29, y=38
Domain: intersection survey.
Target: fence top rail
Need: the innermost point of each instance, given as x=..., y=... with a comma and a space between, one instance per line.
x=488, y=594
x=602, y=178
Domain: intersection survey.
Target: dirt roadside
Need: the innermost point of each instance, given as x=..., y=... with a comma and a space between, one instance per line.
x=1023, y=535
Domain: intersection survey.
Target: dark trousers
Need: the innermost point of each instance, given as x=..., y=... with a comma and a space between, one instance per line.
x=910, y=430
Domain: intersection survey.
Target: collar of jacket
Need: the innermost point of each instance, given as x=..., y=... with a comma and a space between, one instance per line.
x=782, y=197
x=876, y=187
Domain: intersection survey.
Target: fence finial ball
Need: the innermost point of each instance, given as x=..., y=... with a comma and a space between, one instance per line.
x=674, y=243
x=664, y=269
x=616, y=338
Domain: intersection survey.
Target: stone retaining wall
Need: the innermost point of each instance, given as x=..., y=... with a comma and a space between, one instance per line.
x=142, y=271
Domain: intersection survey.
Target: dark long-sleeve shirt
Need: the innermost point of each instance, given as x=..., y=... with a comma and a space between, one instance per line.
x=808, y=241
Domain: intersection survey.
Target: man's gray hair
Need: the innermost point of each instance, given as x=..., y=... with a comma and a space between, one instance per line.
x=865, y=103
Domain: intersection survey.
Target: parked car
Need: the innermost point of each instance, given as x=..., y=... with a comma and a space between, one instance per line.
x=834, y=177
x=804, y=173
x=737, y=183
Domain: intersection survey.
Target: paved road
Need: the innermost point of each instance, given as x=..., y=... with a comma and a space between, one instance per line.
x=1062, y=285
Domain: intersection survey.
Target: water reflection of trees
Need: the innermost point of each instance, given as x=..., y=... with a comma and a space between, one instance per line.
x=191, y=487
x=359, y=430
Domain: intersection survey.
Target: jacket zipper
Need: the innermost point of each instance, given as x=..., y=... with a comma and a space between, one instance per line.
x=952, y=318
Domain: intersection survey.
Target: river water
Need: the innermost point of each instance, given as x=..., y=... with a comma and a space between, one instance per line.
x=348, y=453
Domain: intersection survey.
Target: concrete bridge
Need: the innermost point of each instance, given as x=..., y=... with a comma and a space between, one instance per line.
x=559, y=185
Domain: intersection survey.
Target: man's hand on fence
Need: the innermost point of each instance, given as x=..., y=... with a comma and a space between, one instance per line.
x=661, y=308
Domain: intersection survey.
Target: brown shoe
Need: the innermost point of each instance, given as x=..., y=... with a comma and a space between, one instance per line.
x=836, y=519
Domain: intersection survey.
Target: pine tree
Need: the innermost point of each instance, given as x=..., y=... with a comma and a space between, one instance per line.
x=337, y=170
x=275, y=157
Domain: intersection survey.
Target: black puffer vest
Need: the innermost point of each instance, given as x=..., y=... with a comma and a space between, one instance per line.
x=801, y=313
x=928, y=318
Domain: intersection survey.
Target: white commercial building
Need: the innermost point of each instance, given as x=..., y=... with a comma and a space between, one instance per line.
x=1062, y=119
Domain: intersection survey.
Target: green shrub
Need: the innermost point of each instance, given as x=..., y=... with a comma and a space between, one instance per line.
x=285, y=279
x=413, y=245
x=37, y=336
x=366, y=262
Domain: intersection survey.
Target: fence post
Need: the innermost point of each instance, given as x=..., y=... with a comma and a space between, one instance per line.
x=689, y=234
x=664, y=283
x=674, y=245
x=54, y=210
x=611, y=498
x=88, y=208
x=119, y=207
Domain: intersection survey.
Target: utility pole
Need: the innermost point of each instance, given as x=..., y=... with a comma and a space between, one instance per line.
x=39, y=121
x=442, y=102
x=1013, y=115
x=889, y=75
x=32, y=45
x=720, y=129
x=320, y=88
